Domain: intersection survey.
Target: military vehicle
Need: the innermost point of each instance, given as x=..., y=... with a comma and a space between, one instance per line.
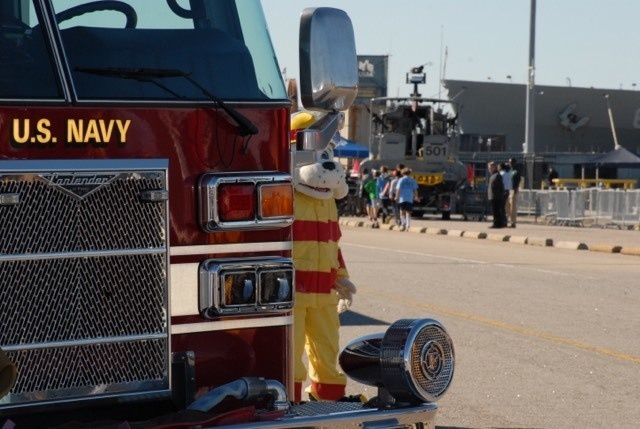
x=422, y=134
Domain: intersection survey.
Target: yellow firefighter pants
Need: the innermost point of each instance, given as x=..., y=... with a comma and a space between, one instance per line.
x=316, y=331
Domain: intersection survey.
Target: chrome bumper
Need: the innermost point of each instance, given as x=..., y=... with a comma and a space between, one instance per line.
x=343, y=415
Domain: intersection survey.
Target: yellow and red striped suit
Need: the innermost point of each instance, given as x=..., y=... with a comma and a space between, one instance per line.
x=319, y=263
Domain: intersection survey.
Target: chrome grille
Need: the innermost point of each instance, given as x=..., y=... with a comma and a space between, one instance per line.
x=434, y=386
x=84, y=280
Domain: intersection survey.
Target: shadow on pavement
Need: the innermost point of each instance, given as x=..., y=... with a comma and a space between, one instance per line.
x=350, y=318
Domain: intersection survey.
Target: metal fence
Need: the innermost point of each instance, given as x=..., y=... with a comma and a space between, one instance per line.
x=617, y=208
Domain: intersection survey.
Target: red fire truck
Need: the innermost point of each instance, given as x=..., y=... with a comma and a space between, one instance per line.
x=146, y=211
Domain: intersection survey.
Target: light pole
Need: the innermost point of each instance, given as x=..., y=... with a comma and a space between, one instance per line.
x=529, y=121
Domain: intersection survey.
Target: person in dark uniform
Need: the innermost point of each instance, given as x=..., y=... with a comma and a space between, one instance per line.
x=553, y=174
x=495, y=195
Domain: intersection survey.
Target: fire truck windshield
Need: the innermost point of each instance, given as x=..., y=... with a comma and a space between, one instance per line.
x=152, y=76
x=223, y=45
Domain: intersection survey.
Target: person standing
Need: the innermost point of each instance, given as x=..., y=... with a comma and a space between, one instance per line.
x=372, y=190
x=391, y=191
x=407, y=193
x=363, y=194
x=495, y=195
x=516, y=178
x=382, y=185
x=553, y=174
x=505, y=172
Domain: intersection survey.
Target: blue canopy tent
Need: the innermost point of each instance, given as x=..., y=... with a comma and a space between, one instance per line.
x=350, y=149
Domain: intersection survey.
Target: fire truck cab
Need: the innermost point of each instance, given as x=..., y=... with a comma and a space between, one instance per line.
x=146, y=211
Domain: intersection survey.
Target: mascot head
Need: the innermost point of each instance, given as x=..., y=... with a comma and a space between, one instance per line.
x=321, y=177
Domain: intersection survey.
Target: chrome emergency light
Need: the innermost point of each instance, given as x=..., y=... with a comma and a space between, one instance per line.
x=413, y=360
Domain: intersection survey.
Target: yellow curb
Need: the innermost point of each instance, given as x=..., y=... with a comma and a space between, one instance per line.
x=572, y=245
x=498, y=237
x=630, y=251
x=436, y=231
x=607, y=248
x=455, y=232
x=518, y=239
x=537, y=241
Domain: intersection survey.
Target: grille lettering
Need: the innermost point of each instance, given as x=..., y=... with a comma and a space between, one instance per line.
x=79, y=184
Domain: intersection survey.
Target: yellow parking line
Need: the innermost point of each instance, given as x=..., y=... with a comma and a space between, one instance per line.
x=520, y=330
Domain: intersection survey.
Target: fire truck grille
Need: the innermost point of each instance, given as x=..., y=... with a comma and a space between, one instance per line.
x=78, y=299
x=84, y=280
x=48, y=220
x=94, y=365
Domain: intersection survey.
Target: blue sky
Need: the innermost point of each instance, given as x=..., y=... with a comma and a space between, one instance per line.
x=587, y=43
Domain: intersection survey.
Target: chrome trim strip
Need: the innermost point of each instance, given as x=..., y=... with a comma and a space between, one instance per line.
x=75, y=255
x=222, y=325
x=274, y=246
x=77, y=343
x=103, y=165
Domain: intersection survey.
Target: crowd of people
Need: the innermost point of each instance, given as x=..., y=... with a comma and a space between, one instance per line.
x=502, y=193
x=389, y=194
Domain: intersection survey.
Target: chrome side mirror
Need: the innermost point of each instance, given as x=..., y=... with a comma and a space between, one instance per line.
x=328, y=60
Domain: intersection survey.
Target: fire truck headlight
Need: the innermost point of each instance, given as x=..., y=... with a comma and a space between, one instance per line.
x=234, y=286
x=413, y=360
x=276, y=286
x=245, y=201
x=239, y=288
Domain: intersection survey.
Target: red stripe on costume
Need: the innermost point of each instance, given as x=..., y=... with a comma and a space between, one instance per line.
x=310, y=230
x=315, y=281
x=328, y=392
x=343, y=266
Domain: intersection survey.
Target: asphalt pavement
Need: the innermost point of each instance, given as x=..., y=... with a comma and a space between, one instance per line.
x=529, y=231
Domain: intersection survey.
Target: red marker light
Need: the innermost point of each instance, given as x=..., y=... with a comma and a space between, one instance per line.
x=237, y=202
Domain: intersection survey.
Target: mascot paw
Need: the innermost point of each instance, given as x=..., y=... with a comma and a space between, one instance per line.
x=343, y=305
x=345, y=290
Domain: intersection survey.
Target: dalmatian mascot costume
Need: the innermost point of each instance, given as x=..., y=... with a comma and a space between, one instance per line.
x=322, y=282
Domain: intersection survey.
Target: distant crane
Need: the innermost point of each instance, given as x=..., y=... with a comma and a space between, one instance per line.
x=613, y=127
